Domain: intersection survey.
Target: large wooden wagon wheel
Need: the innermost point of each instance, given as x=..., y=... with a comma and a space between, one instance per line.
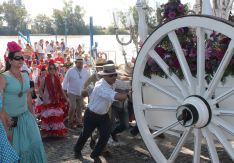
x=190, y=107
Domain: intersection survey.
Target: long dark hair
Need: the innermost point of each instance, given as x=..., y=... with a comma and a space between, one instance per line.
x=10, y=57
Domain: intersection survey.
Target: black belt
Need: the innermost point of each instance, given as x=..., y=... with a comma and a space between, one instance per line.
x=91, y=112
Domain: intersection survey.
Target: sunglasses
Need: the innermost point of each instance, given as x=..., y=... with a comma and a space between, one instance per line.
x=52, y=68
x=17, y=58
x=113, y=75
x=78, y=62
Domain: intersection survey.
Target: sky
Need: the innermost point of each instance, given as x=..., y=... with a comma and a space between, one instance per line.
x=100, y=10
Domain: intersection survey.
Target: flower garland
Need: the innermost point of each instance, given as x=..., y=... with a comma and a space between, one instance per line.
x=215, y=47
x=173, y=9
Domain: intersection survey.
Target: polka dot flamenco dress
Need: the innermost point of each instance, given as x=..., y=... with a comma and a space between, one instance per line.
x=7, y=153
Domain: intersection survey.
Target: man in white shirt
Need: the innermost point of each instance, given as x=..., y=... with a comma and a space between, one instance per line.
x=73, y=84
x=40, y=50
x=50, y=48
x=96, y=116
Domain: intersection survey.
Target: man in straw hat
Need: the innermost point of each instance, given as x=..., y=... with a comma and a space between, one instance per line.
x=94, y=77
x=73, y=83
x=96, y=115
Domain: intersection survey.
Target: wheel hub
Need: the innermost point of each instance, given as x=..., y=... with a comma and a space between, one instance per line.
x=194, y=111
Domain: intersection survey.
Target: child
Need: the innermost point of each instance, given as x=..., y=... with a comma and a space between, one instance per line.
x=7, y=153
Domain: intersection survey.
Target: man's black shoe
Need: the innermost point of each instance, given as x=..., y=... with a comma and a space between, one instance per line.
x=96, y=159
x=92, y=143
x=78, y=155
x=107, y=154
x=134, y=131
x=114, y=137
x=162, y=136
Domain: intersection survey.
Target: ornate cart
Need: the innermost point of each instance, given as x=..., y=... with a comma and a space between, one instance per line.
x=191, y=103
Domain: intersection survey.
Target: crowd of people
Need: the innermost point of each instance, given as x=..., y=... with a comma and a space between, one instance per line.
x=45, y=91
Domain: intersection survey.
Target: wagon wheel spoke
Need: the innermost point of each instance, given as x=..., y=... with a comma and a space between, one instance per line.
x=222, y=139
x=224, y=112
x=197, y=145
x=180, y=144
x=220, y=71
x=161, y=89
x=149, y=107
x=164, y=129
x=171, y=75
x=223, y=96
x=183, y=63
x=211, y=145
x=200, y=60
x=224, y=125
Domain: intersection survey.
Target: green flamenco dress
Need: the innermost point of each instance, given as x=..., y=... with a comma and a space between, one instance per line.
x=26, y=135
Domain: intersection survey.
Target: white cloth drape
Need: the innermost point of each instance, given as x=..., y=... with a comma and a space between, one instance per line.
x=207, y=7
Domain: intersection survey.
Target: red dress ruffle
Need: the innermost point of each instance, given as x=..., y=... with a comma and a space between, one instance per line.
x=52, y=118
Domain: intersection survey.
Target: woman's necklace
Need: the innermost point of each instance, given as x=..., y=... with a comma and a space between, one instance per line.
x=19, y=77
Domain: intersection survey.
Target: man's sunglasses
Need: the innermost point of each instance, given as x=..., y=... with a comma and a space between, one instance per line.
x=52, y=68
x=78, y=62
x=113, y=75
x=17, y=58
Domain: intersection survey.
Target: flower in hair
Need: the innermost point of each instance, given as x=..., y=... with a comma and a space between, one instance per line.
x=13, y=47
x=51, y=62
x=41, y=60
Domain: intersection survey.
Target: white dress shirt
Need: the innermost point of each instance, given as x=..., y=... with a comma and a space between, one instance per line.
x=102, y=97
x=74, y=80
x=40, y=48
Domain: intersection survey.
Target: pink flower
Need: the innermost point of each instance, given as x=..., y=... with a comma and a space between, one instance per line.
x=213, y=34
x=180, y=31
x=180, y=8
x=219, y=53
x=154, y=68
x=150, y=61
x=208, y=65
x=174, y=63
x=172, y=15
x=13, y=47
x=225, y=40
x=193, y=52
x=161, y=52
x=193, y=67
x=208, y=52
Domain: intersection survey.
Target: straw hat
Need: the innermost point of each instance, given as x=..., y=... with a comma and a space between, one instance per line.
x=79, y=58
x=125, y=69
x=100, y=62
x=108, y=69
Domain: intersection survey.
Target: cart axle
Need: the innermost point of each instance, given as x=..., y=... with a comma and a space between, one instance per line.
x=195, y=111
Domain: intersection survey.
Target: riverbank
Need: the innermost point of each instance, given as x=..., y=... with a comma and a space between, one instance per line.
x=106, y=43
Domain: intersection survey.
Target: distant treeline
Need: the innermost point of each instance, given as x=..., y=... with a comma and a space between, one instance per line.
x=14, y=17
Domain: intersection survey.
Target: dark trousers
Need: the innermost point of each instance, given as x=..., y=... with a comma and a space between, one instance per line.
x=92, y=121
x=123, y=119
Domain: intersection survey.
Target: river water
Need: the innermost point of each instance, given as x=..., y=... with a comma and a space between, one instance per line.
x=106, y=43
